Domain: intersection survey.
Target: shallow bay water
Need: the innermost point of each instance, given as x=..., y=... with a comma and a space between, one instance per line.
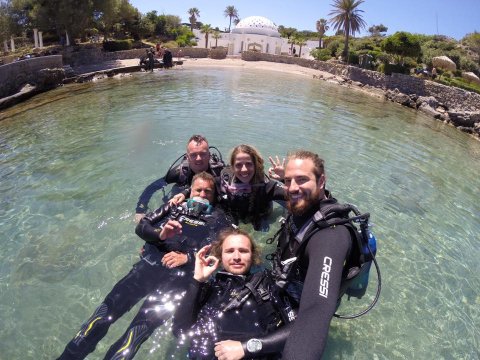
x=74, y=161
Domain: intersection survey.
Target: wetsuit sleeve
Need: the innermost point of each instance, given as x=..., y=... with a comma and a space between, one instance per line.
x=326, y=252
x=144, y=199
x=188, y=309
x=275, y=190
x=272, y=343
x=146, y=229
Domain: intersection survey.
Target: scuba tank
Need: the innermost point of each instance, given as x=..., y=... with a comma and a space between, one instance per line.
x=358, y=285
x=355, y=280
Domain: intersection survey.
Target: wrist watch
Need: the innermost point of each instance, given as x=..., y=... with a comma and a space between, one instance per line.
x=254, y=345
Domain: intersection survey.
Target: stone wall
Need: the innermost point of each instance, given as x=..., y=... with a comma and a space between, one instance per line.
x=77, y=57
x=451, y=97
x=17, y=74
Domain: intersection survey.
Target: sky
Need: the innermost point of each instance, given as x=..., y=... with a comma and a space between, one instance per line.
x=454, y=18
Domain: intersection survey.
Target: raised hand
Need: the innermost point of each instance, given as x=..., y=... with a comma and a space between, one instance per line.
x=277, y=170
x=170, y=229
x=205, y=264
x=177, y=199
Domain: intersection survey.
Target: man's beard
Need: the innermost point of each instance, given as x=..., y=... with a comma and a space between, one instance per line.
x=299, y=208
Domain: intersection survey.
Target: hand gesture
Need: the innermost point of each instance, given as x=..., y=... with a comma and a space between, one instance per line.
x=170, y=229
x=277, y=171
x=176, y=199
x=205, y=264
x=229, y=350
x=174, y=259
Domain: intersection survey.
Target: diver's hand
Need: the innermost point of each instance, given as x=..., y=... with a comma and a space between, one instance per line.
x=170, y=229
x=205, y=264
x=277, y=170
x=176, y=199
x=229, y=350
x=174, y=259
x=138, y=217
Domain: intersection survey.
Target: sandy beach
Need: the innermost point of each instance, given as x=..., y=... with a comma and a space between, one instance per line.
x=236, y=62
x=267, y=66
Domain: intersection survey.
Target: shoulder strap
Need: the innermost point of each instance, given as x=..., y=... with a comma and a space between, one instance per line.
x=254, y=285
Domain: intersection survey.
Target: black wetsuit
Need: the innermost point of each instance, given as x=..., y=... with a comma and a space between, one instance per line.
x=181, y=176
x=314, y=282
x=226, y=309
x=250, y=203
x=148, y=277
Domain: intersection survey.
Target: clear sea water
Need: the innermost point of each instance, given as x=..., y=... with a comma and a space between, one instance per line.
x=74, y=161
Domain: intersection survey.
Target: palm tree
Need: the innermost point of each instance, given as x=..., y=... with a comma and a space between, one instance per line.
x=322, y=28
x=232, y=13
x=206, y=29
x=292, y=41
x=300, y=41
x=216, y=35
x=194, y=14
x=347, y=17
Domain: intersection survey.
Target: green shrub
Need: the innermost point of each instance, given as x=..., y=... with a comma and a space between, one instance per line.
x=321, y=54
x=353, y=57
x=469, y=65
x=118, y=45
x=388, y=69
x=333, y=47
x=218, y=53
x=460, y=83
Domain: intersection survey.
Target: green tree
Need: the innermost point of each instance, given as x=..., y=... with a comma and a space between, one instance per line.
x=206, y=29
x=185, y=37
x=346, y=16
x=300, y=41
x=5, y=21
x=402, y=44
x=231, y=13
x=68, y=16
x=194, y=14
x=472, y=41
x=377, y=30
x=105, y=15
x=286, y=32
x=322, y=28
x=216, y=35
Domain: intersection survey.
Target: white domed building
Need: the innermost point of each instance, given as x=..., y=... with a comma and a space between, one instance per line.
x=253, y=33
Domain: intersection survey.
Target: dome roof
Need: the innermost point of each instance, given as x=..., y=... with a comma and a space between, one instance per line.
x=258, y=25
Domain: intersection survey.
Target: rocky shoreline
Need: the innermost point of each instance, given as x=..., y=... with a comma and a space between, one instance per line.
x=466, y=121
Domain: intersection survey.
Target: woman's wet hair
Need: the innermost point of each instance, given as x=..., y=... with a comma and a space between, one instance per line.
x=256, y=158
x=217, y=245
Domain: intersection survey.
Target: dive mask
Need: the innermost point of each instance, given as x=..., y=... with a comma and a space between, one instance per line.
x=198, y=205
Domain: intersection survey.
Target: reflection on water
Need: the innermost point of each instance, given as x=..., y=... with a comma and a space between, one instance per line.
x=73, y=162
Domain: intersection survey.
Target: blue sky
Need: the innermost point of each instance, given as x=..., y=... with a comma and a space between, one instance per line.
x=454, y=18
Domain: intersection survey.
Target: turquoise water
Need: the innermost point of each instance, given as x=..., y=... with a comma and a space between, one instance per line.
x=74, y=161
